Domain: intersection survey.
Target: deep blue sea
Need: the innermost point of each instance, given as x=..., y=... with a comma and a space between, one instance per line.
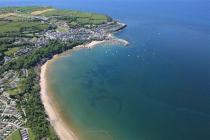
x=157, y=88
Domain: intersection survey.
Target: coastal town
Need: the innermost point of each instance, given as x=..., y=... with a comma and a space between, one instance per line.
x=12, y=118
x=26, y=38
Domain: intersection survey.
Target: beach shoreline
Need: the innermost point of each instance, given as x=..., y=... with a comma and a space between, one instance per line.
x=54, y=116
x=59, y=124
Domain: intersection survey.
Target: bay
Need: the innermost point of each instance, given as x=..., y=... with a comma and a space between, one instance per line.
x=157, y=88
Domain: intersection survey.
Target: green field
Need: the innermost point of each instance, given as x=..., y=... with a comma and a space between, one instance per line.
x=19, y=89
x=31, y=135
x=11, y=51
x=17, y=26
x=22, y=9
x=15, y=136
x=78, y=18
x=66, y=13
x=75, y=14
x=12, y=21
x=13, y=92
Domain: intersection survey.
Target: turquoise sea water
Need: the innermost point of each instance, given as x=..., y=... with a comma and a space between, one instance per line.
x=157, y=88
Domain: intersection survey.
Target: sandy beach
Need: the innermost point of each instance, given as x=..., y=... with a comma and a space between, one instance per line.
x=63, y=131
x=89, y=45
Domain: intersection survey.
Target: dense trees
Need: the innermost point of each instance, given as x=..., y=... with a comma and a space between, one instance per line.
x=1, y=56
x=34, y=109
